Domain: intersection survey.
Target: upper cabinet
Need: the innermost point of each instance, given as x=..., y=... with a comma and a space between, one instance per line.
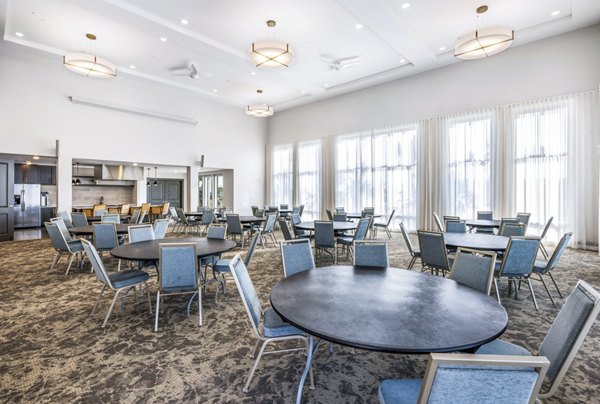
x=47, y=175
x=34, y=174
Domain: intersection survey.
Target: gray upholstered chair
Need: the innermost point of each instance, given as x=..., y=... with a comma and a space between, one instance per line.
x=470, y=379
x=178, y=274
x=100, y=212
x=118, y=281
x=541, y=268
x=448, y=218
x=512, y=230
x=299, y=233
x=438, y=222
x=507, y=220
x=385, y=226
x=268, y=229
x=517, y=264
x=112, y=218
x=79, y=219
x=414, y=253
x=274, y=329
x=66, y=218
x=329, y=214
x=543, y=235
x=285, y=229
x=367, y=211
x=296, y=256
x=485, y=215
x=456, y=226
x=474, y=269
x=105, y=238
x=160, y=227
x=216, y=231
x=346, y=242
x=340, y=209
x=235, y=228
x=370, y=253
x=62, y=245
x=340, y=217
x=254, y=209
x=297, y=210
x=135, y=216
x=325, y=239
x=142, y=232
x=564, y=338
x=523, y=218
x=434, y=256
x=208, y=217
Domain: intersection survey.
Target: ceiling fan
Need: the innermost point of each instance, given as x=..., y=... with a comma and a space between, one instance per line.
x=342, y=63
x=191, y=71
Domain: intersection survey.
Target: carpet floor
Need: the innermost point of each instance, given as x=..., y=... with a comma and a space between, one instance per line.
x=53, y=350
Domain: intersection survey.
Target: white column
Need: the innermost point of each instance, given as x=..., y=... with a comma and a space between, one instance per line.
x=191, y=200
x=64, y=177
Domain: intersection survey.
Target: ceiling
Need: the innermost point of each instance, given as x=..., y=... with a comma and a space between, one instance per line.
x=391, y=39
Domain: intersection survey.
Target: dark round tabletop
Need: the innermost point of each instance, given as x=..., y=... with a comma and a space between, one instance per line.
x=193, y=214
x=337, y=226
x=476, y=241
x=391, y=310
x=89, y=229
x=359, y=215
x=99, y=218
x=483, y=223
x=247, y=219
x=148, y=250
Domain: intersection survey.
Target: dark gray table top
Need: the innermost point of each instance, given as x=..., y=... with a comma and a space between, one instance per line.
x=247, y=219
x=337, y=226
x=89, y=229
x=99, y=218
x=483, y=223
x=388, y=309
x=148, y=250
x=476, y=241
x=193, y=213
x=359, y=215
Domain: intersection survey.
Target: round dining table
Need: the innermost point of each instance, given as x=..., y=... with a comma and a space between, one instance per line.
x=89, y=229
x=149, y=250
x=337, y=226
x=386, y=309
x=359, y=215
x=482, y=223
x=247, y=219
x=99, y=218
x=476, y=241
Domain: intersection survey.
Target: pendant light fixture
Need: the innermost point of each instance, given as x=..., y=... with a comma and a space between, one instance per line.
x=148, y=178
x=259, y=110
x=76, y=181
x=155, y=176
x=273, y=54
x=89, y=64
x=483, y=42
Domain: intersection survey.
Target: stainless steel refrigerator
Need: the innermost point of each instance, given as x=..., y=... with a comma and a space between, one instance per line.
x=27, y=205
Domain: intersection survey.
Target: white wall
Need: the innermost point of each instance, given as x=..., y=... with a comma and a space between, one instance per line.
x=559, y=65
x=34, y=112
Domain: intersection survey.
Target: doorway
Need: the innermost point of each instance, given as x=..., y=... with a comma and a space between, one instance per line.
x=210, y=191
x=165, y=190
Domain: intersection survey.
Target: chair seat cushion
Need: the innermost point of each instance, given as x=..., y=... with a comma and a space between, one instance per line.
x=380, y=224
x=222, y=266
x=540, y=266
x=75, y=245
x=209, y=259
x=416, y=253
x=500, y=347
x=129, y=277
x=274, y=326
x=399, y=391
x=345, y=240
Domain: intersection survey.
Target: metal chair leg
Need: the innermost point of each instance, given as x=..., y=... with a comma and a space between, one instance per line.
x=70, y=263
x=157, y=311
x=199, y=306
x=412, y=262
x=546, y=287
x=260, y=353
x=497, y=292
x=544, y=251
x=556, y=285
x=148, y=295
x=55, y=261
x=112, y=305
x=98, y=300
x=532, y=294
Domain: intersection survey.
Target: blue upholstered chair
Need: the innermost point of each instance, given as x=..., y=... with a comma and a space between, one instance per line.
x=105, y=238
x=438, y=222
x=160, y=227
x=517, y=264
x=329, y=214
x=143, y=232
x=208, y=217
x=296, y=256
x=100, y=212
x=142, y=217
x=235, y=228
x=62, y=245
x=297, y=210
x=456, y=226
x=66, y=218
x=285, y=229
x=340, y=217
x=299, y=233
x=274, y=329
x=214, y=232
x=370, y=211
x=178, y=274
x=268, y=229
x=340, y=209
x=485, y=215
x=111, y=218
x=512, y=230
x=543, y=235
x=135, y=216
x=414, y=253
x=523, y=218
x=507, y=220
x=346, y=242
x=79, y=219
x=385, y=226
x=474, y=269
x=470, y=379
x=434, y=256
x=118, y=281
x=325, y=239
x=370, y=253
x=564, y=338
x=541, y=268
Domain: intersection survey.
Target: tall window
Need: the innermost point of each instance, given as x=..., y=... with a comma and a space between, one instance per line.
x=282, y=174
x=540, y=137
x=379, y=170
x=309, y=179
x=468, y=156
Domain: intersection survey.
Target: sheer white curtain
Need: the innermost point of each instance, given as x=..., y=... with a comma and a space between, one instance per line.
x=282, y=174
x=309, y=178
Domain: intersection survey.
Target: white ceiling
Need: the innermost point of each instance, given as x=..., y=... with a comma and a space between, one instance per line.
x=393, y=42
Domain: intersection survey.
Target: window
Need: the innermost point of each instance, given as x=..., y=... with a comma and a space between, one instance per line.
x=282, y=174
x=469, y=174
x=309, y=179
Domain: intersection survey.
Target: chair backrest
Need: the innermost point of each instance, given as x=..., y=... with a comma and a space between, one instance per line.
x=79, y=219
x=58, y=239
x=145, y=207
x=296, y=210
x=438, y=222
x=371, y=253
x=216, y=231
x=558, y=251
x=66, y=218
x=160, y=227
x=456, y=226
x=165, y=208
x=546, y=227
x=105, y=236
x=296, y=220
x=173, y=213
x=433, y=249
x=124, y=209
x=448, y=218
x=301, y=210
x=508, y=220
x=296, y=256
x=62, y=227
x=99, y=209
x=389, y=221
x=409, y=245
x=367, y=211
x=512, y=230
x=96, y=261
x=465, y=378
x=340, y=217
x=340, y=209
x=254, y=208
x=285, y=229
x=208, y=217
x=324, y=234
x=177, y=267
x=474, y=269
x=485, y=215
x=283, y=206
x=569, y=329
x=143, y=232
x=362, y=229
x=142, y=217
x=329, y=214
x=112, y=218
x=520, y=256
x=234, y=226
x=135, y=216
x=252, y=248
x=523, y=217
x=100, y=212
x=270, y=224
x=247, y=292
x=259, y=213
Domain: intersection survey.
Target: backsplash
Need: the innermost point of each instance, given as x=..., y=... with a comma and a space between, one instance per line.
x=89, y=195
x=52, y=194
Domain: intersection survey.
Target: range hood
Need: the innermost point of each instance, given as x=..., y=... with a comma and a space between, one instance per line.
x=118, y=173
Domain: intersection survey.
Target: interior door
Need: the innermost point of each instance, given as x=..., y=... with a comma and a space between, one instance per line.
x=165, y=191
x=7, y=173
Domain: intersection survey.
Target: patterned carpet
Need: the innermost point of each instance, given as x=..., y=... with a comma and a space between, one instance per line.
x=52, y=350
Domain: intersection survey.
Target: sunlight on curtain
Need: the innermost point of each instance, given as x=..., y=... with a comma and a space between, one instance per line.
x=309, y=179
x=282, y=174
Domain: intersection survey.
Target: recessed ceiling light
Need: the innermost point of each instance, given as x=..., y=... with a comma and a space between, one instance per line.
x=162, y=38
x=28, y=162
x=326, y=85
x=19, y=34
x=555, y=13
x=358, y=26
x=303, y=92
x=442, y=48
x=215, y=90
x=405, y=5
x=253, y=73
x=184, y=21
x=132, y=66
x=36, y=157
x=134, y=164
x=402, y=60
